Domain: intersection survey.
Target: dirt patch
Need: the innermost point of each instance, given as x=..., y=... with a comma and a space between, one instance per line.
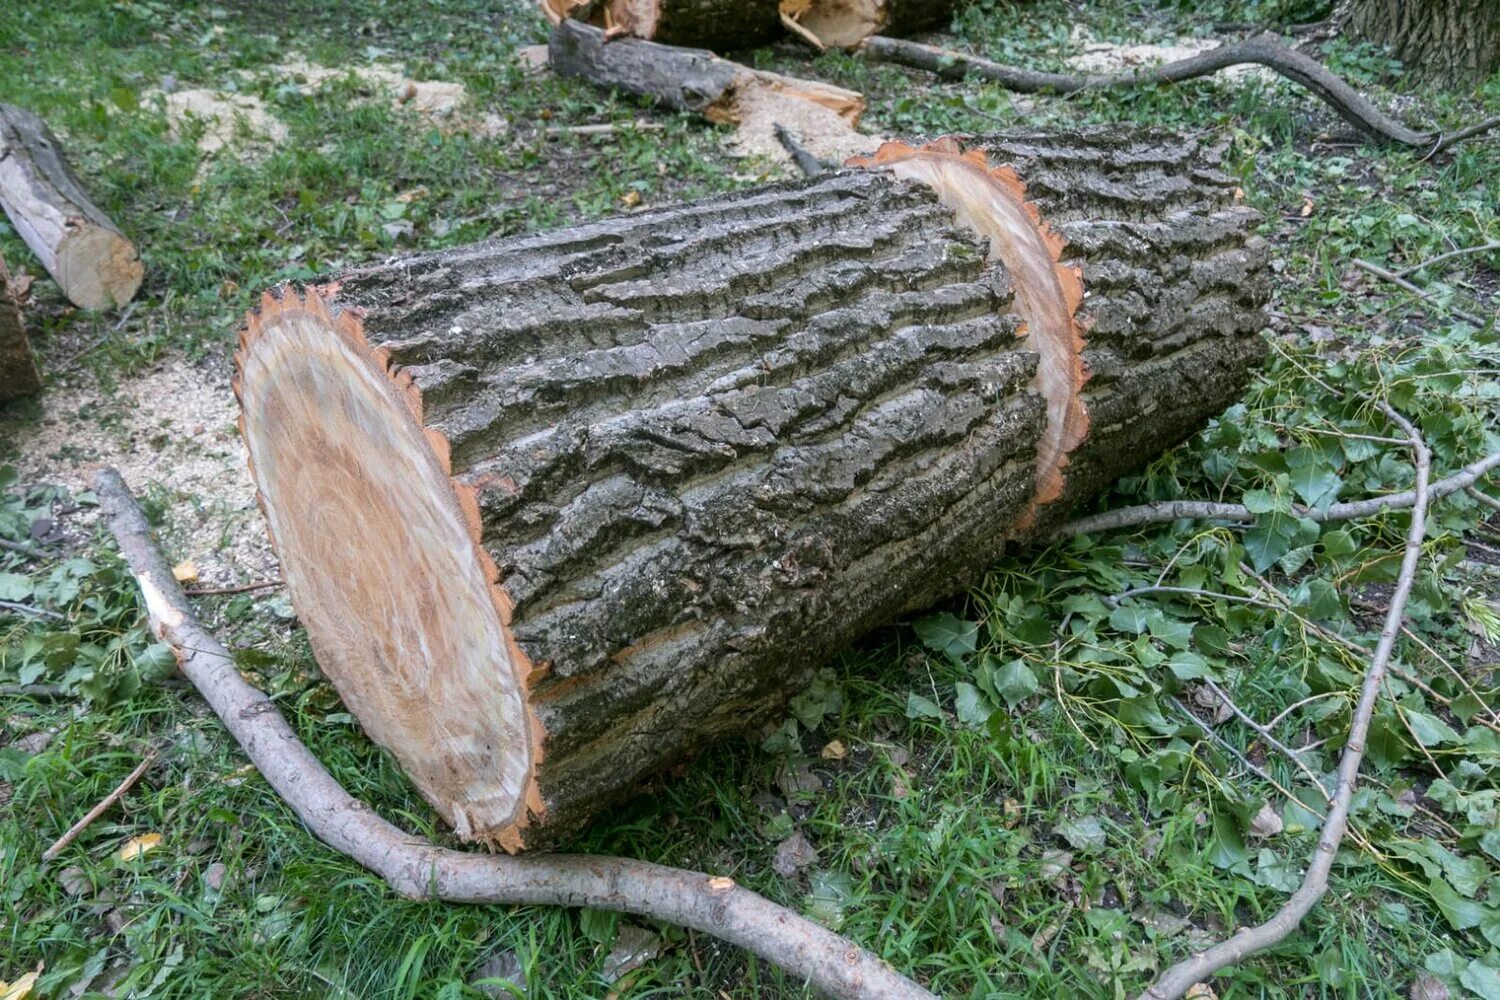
x=1108, y=57
x=171, y=432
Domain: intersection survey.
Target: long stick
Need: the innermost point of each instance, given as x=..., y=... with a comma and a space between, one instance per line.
x=1420, y=293
x=98, y=810
x=1173, y=510
x=418, y=869
x=1263, y=50
x=1179, y=978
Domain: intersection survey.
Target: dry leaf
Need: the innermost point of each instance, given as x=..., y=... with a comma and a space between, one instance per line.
x=834, y=751
x=21, y=988
x=1307, y=209
x=1200, y=991
x=630, y=199
x=136, y=846
x=1266, y=823
x=793, y=854
x=185, y=571
x=1429, y=987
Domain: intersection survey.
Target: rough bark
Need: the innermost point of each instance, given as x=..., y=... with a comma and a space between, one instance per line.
x=721, y=25
x=1445, y=41
x=18, y=374
x=704, y=447
x=86, y=254
x=685, y=79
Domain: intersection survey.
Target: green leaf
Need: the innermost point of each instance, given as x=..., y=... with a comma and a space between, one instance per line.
x=1170, y=631
x=1085, y=834
x=1461, y=913
x=1226, y=847
x=1129, y=618
x=1264, y=502
x=14, y=587
x=1338, y=542
x=1482, y=979
x=1313, y=477
x=1429, y=729
x=971, y=705
x=1188, y=666
x=918, y=707
x=947, y=633
x=1015, y=682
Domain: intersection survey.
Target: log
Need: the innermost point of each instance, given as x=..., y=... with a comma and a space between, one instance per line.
x=722, y=25
x=18, y=374
x=96, y=266
x=845, y=24
x=559, y=510
x=686, y=79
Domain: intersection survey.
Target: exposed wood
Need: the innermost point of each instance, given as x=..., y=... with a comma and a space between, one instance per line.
x=18, y=374
x=417, y=869
x=1453, y=42
x=96, y=266
x=845, y=24
x=721, y=25
x=1262, y=50
x=559, y=510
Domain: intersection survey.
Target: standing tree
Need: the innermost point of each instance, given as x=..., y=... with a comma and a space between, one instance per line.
x=1445, y=41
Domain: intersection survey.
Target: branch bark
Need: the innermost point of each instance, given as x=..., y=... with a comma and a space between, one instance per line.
x=1178, y=979
x=418, y=869
x=1173, y=510
x=1262, y=50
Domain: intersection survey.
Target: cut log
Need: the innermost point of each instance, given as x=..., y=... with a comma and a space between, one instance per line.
x=721, y=25
x=845, y=24
x=559, y=510
x=86, y=254
x=18, y=374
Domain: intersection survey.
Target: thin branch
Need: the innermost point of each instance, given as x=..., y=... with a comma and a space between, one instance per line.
x=1179, y=978
x=1173, y=510
x=98, y=810
x=417, y=869
x=806, y=162
x=28, y=609
x=1483, y=498
x=1262, y=50
x=1270, y=740
x=43, y=691
x=24, y=550
x=1420, y=293
x=1482, y=248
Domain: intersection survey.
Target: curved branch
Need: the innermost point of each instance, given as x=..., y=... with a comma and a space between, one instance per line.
x=1262, y=50
x=1181, y=977
x=419, y=869
x=1174, y=510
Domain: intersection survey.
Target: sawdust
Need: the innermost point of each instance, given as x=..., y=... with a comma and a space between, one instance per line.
x=1108, y=57
x=226, y=117
x=824, y=132
x=439, y=100
x=171, y=432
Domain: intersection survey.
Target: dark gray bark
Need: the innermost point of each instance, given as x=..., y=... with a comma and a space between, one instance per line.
x=715, y=443
x=18, y=374
x=86, y=254
x=1445, y=41
x=684, y=79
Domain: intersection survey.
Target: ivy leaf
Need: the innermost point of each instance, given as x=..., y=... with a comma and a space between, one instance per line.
x=947, y=633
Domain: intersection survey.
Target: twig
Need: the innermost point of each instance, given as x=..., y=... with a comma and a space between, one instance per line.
x=1173, y=510
x=806, y=162
x=1262, y=50
x=27, y=609
x=98, y=810
x=1427, y=296
x=24, y=550
x=604, y=128
x=1483, y=498
x=1482, y=248
x=34, y=691
x=239, y=588
x=1179, y=978
x=418, y=869
x=1265, y=734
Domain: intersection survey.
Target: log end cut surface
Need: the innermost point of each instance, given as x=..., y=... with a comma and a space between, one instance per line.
x=379, y=550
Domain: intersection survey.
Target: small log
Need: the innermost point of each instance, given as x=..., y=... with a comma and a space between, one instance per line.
x=96, y=266
x=721, y=25
x=18, y=374
x=845, y=24
x=693, y=80
x=559, y=510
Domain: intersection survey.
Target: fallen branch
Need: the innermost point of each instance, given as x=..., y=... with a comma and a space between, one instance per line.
x=1419, y=292
x=1178, y=979
x=239, y=588
x=1175, y=510
x=27, y=609
x=1263, y=50
x=1464, y=252
x=73, y=831
x=22, y=550
x=417, y=869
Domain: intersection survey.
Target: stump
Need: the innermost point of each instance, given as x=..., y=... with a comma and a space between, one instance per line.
x=96, y=266
x=18, y=374
x=559, y=510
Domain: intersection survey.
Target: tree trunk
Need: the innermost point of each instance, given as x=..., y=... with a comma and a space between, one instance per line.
x=696, y=450
x=721, y=25
x=18, y=375
x=845, y=24
x=93, y=262
x=1444, y=41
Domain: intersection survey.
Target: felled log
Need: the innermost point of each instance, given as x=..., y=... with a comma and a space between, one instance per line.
x=559, y=510
x=96, y=266
x=845, y=24
x=18, y=374
x=721, y=25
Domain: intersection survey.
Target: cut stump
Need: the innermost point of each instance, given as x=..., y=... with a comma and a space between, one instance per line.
x=559, y=510
x=96, y=266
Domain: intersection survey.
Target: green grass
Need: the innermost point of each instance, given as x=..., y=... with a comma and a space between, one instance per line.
x=1021, y=809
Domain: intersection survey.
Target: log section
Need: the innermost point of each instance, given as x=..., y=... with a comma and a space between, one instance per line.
x=86, y=254
x=559, y=510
